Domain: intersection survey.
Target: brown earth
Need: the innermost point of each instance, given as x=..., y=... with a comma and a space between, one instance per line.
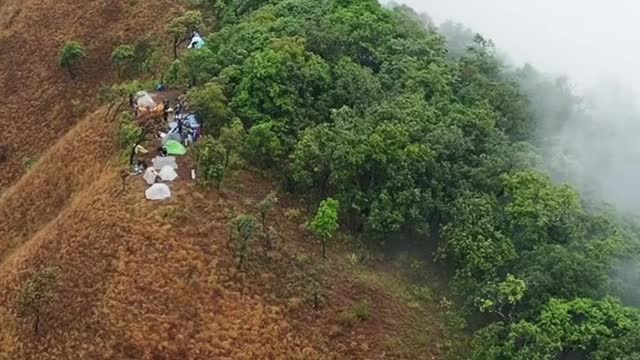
x=160, y=280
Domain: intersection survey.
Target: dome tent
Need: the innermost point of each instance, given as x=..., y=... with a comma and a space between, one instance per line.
x=168, y=174
x=150, y=176
x=158, y=192
x=144, y=100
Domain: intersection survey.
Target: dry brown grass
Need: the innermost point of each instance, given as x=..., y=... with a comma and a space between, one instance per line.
x=36, y=97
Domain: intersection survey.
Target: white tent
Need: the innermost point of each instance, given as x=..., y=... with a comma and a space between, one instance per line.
x=159, y=162
x=150, y=176
x=144, y=100
x=196, y=42
x=168, y=174
x=158, y=192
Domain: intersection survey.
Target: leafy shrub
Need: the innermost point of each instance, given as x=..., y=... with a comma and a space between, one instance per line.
x=211, y=162
x=128, y=130
x=357, y=313
x=293, y=214
x=70, y=55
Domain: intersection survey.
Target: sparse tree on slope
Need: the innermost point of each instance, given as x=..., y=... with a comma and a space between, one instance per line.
x=37, y=293
x=243, y=227
x=325, y=223
x=70, y=55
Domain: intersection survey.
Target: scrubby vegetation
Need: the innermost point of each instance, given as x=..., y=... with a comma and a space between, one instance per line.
x=417, y=135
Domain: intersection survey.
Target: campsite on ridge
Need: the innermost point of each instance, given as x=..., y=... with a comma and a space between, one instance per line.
x=295, y=179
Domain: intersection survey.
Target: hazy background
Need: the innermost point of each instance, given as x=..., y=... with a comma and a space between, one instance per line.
x=596, y=44
x=585, y=39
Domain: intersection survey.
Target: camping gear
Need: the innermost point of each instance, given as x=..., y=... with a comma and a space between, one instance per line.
x=196, y=42
x=192, y=122
x=158, y=192
x=174, y=148
x=172, y=136
x=150, y=176
x=159, y=162
x=144, y=100
x=168, y=174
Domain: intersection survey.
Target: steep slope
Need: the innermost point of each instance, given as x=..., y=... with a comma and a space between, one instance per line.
x=143, y=280
x=38, y=102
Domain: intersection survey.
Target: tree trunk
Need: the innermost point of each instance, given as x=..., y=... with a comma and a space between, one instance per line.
x=70, y=70
x=36, y=323
x=226, y=159
x=324, y=249
x=175, y=48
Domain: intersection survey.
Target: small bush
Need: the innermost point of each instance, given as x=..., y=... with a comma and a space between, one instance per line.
x=422, y=293
x=211, y=162
x=358, y=312
x=70, y=55
x=293, y=214
x=28, y=163
x=175, y=214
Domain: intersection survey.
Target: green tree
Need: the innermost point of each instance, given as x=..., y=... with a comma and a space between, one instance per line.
x=210, y=104
x=325, y=224
x=265, y=206
x=474, y=242
x=38, y=293
x=579, y=328
x=71, y=53
x=502, y=297
x=211, y=161
x=263, y=145
x=232, y=137
x=181, y=28
x=122, y=57
x=540, y=212
x=243, y=229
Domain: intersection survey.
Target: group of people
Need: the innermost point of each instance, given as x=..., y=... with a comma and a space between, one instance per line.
x=182, y=124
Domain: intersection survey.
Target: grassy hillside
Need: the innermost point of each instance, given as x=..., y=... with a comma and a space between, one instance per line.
x=38, y=102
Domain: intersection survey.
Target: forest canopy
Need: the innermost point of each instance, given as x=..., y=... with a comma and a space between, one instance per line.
x=417, y=131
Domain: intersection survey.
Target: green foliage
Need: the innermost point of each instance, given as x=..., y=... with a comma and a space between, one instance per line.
x=243, y=228
x=263, y=145
x=474, y=242
x=128, y=131
x=540, y=212
x=325, y=224
x=583, y=327
x=357, y=313
x=210, y=104
x=264, y=207
x=232, y=137
x=37, y=293
x=71, y=53
x=211, y=157
x=502, y=297
x=181, y=28
x=122, y=57
x=413, y=132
